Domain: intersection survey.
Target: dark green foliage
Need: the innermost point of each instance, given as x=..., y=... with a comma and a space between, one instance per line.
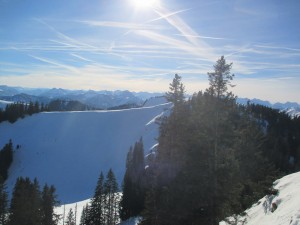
x=282, y=136
x=210, y=161
x=85, y=216
x=3, y=203
x=18, y=110
x=111, y=205
x=124, y=106
x=70, y=218
x=104, y=208
x=64, y=105
x=6, y=158
x=49, y=200
x=176, y=93
x=31, y=207
x=96, y=210
x=26, y=203
x=134, y=186
x=220, y=79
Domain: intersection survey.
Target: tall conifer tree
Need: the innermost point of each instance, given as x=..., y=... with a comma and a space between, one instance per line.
x=134, y=187
x=96, y=211
x=111, y=199
x=3, y=203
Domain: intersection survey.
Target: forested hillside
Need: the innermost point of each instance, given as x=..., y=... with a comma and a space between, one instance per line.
x=215, y=157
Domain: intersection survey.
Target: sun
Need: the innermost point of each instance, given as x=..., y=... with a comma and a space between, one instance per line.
x=145, y=4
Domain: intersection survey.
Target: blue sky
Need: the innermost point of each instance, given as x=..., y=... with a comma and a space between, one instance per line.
x=118, y=45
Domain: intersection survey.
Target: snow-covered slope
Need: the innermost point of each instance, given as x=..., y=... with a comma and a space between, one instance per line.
x=261, y=213
x=77, y=207
x=293, y=112
x=3, y=104
x=287, y=204
x=69, y=149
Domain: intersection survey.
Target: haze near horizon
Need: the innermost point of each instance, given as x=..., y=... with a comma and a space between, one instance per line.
x=140, y=45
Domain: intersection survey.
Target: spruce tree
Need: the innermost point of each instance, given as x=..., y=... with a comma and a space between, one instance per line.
x=111, y=199
x=25, y=205
x=3, y=203
x=84, y=219
x=49, y=201
x=176, y=93
x=6, y=158
x=134, y=188
x=70, y=218
x=96, y=211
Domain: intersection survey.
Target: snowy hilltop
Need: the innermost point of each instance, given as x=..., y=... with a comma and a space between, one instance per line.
x=278, y=209
x=69, y=149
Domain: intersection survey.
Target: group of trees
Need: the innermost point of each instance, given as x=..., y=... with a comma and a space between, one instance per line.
x=104, y=206
x=29, y=205
x=283, y=136
x=134, y=183
x=6, y=158
x=13, y=112
x=67, y=105
x=215, y=158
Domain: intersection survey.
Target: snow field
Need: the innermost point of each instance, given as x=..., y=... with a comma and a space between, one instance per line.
x=70, y=149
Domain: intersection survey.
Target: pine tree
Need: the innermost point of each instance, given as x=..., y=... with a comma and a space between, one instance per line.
x=176, y=94
x=3, y=203
x=49, y=201
x=96, y=211
x=220, y=79
x=6, y=158
x=70, y=218
x=85, y=215
x=111, y=199
x=25, y=205
x=134, y=187
x=31, y=108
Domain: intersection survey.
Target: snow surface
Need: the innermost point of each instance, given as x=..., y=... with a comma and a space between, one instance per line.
x=3, y=104
x=287, y=201
x=69, y=149
x=77, y=207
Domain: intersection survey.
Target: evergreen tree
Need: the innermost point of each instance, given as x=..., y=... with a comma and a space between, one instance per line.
x=172, y=133
x=177, y=91
x=222, y=104
x=70, y=218
x=134, y=187
x=25, y=205
x=96, y=210
x=6, y=158
x=31, y=109
x=85, y=215
x=220, y=79
x=3, y=203
x=196, y=163
x=49, y=201
x=36, y=107
x=111, y=199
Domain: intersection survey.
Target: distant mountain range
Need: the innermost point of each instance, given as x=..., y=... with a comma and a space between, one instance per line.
x=291, y=108
x=108, y=99
x=95, y=99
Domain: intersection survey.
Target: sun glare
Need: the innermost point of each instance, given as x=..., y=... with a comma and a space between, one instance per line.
x=145, y=4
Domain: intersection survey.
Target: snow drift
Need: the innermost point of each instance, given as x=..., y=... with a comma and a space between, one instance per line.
x=69, y=149
x=281, y=209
